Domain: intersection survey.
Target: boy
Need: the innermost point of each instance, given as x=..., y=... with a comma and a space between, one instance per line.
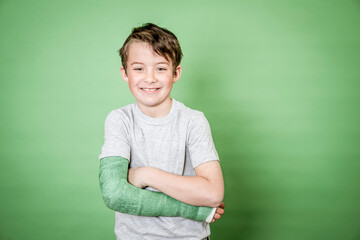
x=159, y=144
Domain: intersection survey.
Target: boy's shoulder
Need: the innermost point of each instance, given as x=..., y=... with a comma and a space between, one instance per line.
x=190, y=113
x=121, y=113
x=192, y=117
x=127, y=109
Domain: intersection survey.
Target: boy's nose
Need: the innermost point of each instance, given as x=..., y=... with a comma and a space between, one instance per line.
x=150, y=78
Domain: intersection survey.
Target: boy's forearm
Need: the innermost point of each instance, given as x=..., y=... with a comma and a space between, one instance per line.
x=206, y=190
x=120, y=196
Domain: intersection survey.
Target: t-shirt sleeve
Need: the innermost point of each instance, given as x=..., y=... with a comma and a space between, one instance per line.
x=200, y=144
x=116, y=141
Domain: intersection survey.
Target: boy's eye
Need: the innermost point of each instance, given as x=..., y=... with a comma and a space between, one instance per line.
x=138, y=69
x=161, y=69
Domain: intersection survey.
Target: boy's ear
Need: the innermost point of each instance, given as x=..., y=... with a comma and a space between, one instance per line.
x=123, y=74
x=177, y=74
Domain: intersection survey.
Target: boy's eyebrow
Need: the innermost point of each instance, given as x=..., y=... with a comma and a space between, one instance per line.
x=143, y=63
x=136, y=63
x=162, y=63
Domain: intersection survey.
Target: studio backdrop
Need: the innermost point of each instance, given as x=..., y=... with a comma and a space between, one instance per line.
x=279, y=82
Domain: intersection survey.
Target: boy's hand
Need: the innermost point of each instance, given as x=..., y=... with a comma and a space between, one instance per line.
x=135, y=176
x=219, y=211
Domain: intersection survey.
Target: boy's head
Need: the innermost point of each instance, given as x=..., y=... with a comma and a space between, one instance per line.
x=162, y=41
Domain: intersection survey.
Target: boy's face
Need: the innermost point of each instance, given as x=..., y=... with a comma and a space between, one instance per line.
x=149, y=75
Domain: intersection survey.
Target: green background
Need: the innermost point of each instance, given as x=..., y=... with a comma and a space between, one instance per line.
x=279, y=82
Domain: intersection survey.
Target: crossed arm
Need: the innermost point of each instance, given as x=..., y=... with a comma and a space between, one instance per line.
x=204, y=189
x=189, y=191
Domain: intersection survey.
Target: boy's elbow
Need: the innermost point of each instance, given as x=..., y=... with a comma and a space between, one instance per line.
x=112, y=195
x=109, y=198
x=215, y=198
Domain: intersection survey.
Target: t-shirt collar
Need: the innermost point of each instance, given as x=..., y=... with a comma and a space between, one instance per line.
x=157, y=121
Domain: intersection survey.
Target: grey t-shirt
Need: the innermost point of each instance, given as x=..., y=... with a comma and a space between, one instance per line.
x=177, y=143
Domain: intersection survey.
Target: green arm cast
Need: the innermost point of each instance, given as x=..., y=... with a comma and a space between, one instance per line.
x=121, y=196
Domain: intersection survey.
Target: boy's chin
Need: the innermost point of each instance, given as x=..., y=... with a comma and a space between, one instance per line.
x=153, y=102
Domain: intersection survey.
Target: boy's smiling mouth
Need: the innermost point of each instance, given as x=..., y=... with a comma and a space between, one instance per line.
x=150, y=90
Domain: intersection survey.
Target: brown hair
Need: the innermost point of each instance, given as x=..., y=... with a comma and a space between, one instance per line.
x=160, y=39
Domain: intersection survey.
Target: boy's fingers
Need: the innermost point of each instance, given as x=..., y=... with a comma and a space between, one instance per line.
x=217, y=216
x=220, y=211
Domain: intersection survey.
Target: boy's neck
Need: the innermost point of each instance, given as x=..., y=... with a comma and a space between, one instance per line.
x=159, y=111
